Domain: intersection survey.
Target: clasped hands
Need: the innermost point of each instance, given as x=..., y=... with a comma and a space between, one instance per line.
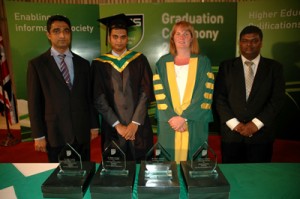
x=128, y=132
x=247, y=129
x=178, y=123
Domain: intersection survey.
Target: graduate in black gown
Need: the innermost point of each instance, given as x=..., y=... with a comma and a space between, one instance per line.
x=123, y=89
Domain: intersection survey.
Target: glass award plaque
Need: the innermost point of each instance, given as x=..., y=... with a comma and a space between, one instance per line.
x=114, y=161
x=158, y=164
x=203, y=162
x=115, y=176
x=202, y=176
x=158, y=176
x=70, y=163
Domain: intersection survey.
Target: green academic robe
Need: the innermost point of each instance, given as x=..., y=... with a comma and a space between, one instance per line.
x=196, y=105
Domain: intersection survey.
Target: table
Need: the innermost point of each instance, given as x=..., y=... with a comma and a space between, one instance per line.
x=253, y=181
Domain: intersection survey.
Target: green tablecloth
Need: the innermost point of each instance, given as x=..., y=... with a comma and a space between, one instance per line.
x=255, y=181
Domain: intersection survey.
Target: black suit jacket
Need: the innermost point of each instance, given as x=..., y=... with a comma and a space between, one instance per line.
x=264, y=102
x=54, y=110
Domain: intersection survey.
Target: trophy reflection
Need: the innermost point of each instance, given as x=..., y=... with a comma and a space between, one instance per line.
x=158, y=164
x=115, y=176
x=202, y=176
x=70, y=163
x=113, y=161
x=158, y=175
x=72, y=176
x=204, y=162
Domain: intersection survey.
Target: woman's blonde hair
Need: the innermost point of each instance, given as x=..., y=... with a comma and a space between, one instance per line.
x=194, y=47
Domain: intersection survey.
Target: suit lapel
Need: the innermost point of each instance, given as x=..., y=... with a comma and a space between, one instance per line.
x=240, y=77
x=52, y=66
x=259, y=77
x=76, y=71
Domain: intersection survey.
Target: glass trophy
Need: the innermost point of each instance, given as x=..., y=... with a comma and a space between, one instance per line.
x=70, y=163
x=158, y=164
x=203, y=162
x=114, y=161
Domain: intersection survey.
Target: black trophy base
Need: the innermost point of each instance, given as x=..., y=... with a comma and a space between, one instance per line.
x=158, y=188
x=68, y=186
x=113, y=186
x=216, y=187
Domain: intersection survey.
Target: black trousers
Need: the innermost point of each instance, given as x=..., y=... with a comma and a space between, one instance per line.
x=82, y=149
x=241, y=152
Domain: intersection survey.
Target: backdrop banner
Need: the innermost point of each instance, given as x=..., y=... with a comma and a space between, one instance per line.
x=214, y=23
x=217, y=27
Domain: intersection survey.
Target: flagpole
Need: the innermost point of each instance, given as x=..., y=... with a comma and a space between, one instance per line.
x=10, y=139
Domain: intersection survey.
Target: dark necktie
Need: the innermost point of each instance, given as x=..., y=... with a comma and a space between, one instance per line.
x=249, y=77
x=64, y=70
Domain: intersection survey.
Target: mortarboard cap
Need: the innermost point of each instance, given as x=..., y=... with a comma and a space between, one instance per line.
x=116, y=21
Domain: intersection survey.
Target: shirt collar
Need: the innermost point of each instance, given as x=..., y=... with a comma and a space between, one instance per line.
x=117, y=55
x=255, y=60
x=56, y=53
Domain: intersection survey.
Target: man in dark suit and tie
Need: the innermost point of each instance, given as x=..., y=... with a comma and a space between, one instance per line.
x=59, y=96
x=249, y=93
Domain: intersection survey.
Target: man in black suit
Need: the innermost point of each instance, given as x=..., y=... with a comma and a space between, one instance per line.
x=247, y=115
x=60, y=109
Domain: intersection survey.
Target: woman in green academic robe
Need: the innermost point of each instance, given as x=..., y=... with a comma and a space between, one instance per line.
x=183, y=86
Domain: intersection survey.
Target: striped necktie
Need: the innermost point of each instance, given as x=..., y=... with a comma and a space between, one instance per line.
x=64, y=70
x=249, y=77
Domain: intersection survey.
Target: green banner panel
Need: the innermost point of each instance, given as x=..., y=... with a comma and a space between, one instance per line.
x=214, y=23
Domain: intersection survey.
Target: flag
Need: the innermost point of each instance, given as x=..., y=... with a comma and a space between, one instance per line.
x=7, y=97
